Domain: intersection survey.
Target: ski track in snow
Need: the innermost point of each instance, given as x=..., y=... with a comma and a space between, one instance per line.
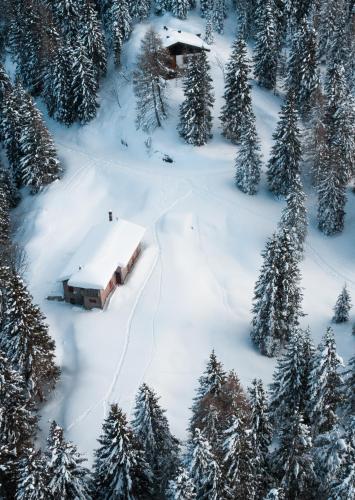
x=326, y=266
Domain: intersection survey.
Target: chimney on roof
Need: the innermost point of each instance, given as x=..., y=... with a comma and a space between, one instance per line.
x=110, y=216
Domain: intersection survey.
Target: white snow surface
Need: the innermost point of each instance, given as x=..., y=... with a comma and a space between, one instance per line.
x=173, y=36
x=106, y=247
x=191, y=290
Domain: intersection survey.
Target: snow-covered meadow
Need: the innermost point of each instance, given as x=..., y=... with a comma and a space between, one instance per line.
x=192, y=287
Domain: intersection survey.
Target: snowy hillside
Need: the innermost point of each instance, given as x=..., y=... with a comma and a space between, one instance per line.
x=192, y=287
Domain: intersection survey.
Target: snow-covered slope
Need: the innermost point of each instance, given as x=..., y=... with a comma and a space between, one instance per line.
x=191, y=289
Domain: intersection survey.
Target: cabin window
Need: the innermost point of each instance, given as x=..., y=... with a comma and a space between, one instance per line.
x=71, y=289
x=92, y=301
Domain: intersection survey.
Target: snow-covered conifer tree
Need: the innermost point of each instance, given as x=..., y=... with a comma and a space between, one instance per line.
x=342, y=306
x=38, y=164
x=151, y=428
x=149, y=82
x=180, y=8
x=339, y=123
x=68, y=478
x=182, y=487
x=331, y=198
x=209, y=38
x=84, y=85
x=248, y=161
x=206, y=6
x=284, y=163
x=26, y=342
x=92, y=38
x=210, y=384
x=240, y=461
x=17, y=422
x=204, y=469
x=266, y=50
x=32, y=483
x=236, y=113
x=343, y=485
x=139, y=9
x=120, y=469
x=289, y=393
x=277, y=295
x=195, y=113
x=328, y=451
x=348, y=406
x=293, y=459
x=294, y=215
x=118, y=24
x=261, y=432
x=325, y=385
x=218, y=15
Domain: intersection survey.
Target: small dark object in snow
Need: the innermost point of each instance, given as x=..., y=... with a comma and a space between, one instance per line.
x=179, y=31
x=124, y=143
x=198, y=34
x=166, y=28
x=168, y=159
x=58, y=298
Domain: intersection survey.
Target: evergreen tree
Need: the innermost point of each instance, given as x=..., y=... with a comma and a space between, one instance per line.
x=68, y=478
x=206, y=6
x=343, y=485
x=289, y=390
x=293, y=460
x=92, y=38
x=17, y=423
x=180, y=8
x=240, y=461
x=13, y=113
x=195, y=114
x=218, y=15
x=139, y=9
x=209, y=38
x=339, y=122
x=331, y=198
x=261, y=432
x=4, y=216
x=342, y=306
x=27, y=39
x=182, y=487
x=210, y=385
x=284, y=163
x=275, y=494
x=204, y=469
x=325, y=385
x=120, y=469
x=33, y=479
x=26, y=342
x=67, y=15
x=38, y=165
x=118, y=23
x=149, y=82
x=236, y=113
x=162, y=6
x=303, y=75
x=349, y=390
x=248, y=161
x=277, y=295
x=266, y=50
x=314, y=144
x=294, y=215
x=328, y=452
x=58, y=78
x=151, y=428
x=84, y=86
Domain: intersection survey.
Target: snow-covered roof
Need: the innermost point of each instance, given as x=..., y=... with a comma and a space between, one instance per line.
x=170, y=37
x=105, y=247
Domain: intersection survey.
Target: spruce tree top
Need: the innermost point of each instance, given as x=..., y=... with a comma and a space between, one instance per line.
x=342, y=306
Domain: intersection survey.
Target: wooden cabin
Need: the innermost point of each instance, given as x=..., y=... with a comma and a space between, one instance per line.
x=181, y=46
x=101, y=263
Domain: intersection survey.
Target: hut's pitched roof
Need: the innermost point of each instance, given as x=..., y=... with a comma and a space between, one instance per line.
x=171, y=37
x=105, y=247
